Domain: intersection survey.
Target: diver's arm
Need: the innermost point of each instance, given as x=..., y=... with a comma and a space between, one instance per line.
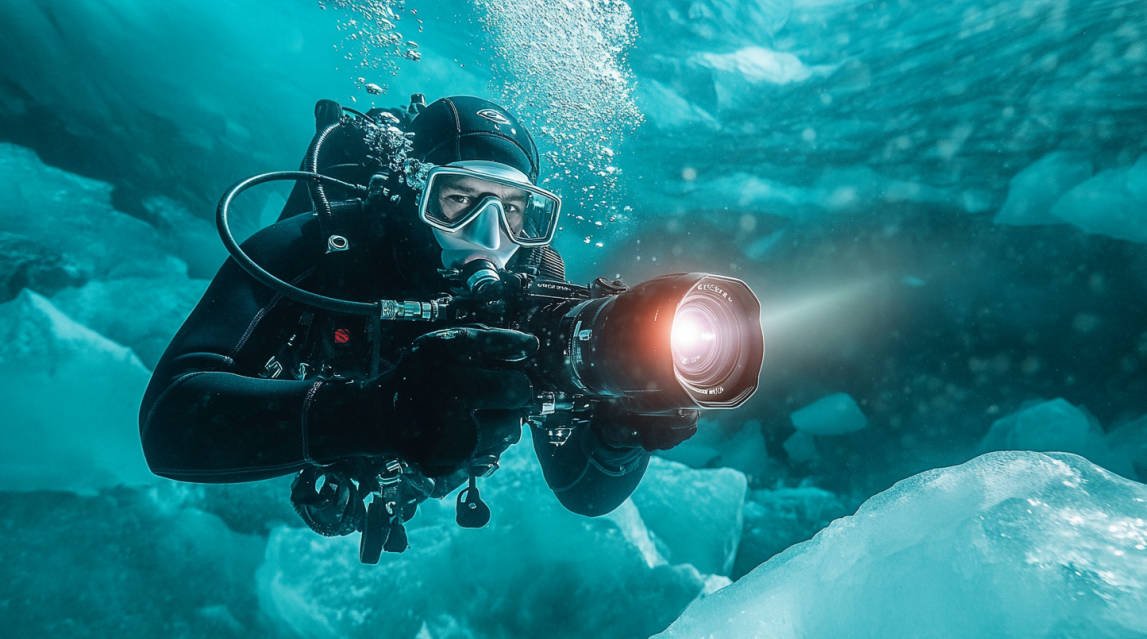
x=588, y=476
x=202, y=420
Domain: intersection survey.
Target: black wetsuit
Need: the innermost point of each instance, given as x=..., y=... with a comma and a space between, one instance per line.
x=225, y=403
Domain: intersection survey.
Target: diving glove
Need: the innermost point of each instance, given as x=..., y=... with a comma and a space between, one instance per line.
x=454, y=393
x=619, y=427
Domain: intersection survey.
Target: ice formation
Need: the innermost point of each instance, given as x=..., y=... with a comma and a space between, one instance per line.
x=626, y=574
x=1054, y=425
x=1034, y=190
x=1113, y=203
x=1010, y=544
x=69, y=413
x=834, y=414
x=784, y=141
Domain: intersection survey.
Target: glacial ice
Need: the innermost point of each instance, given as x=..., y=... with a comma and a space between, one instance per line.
x=70, y=403
x=96, y=261
x=74, y=216
x=125, y=563
x=1010, y=544
x=834, y=414
x=735, y=73
x=1113, y=203
x=1034, y=190
x=1061, y=188
x=695, y=514
x=1056, y=426
x=536, y=570
x=778, y=518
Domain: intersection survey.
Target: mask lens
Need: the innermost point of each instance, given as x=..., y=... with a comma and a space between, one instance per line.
x=537, y=219
x=454, y=198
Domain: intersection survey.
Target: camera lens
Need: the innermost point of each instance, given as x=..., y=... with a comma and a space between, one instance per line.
x=704, y=344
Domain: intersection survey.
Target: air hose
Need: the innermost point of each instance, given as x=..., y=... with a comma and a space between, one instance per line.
x=288, y=290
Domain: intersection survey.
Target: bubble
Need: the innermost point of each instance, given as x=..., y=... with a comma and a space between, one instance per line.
x=571, y=57
x=371, y=38
x=373, y=88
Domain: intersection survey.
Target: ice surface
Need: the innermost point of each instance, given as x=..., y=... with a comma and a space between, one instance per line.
x=735, y=73
x=1113, y=203
x=1010, y=544
x=696, y=514
x=124, y=563
x=536, y=570
x=70, y=403
x=1060, y=188
x=834, y=414
x=1054, y=425
x=158, y=306
x=801, y=447
x=778, y=518
x=1034, y=190
x=74, y=216
x=746, y=452
x=62, y=231
x=1129, y=442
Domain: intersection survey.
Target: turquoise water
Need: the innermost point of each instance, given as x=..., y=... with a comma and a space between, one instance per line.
x=941, y=206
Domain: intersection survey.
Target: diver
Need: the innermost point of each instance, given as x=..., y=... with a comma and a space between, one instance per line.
x=256, y=385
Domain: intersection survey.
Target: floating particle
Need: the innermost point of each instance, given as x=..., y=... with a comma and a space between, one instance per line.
x=373, y=88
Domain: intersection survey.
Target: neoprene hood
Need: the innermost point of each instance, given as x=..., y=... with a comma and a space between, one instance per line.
x=463, y=127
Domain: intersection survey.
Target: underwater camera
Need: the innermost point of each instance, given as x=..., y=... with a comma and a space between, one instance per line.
x=679, y=341
x=686, y=340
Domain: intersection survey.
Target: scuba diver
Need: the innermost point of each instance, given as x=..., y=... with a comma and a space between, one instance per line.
x=258, y=384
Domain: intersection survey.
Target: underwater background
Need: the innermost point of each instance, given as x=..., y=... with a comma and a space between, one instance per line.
x=942, y=206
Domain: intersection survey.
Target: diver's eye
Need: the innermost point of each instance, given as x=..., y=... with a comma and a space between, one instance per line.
x=459, y=199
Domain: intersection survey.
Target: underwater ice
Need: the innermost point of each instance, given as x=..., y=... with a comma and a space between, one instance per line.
x=536, y=570
x=1054, y=425
x=1059, y=426
x=1113, y=203
x=1010, y=544
x=1060, y=188
x=69, y=407
x=103, y=260
x=835, y=414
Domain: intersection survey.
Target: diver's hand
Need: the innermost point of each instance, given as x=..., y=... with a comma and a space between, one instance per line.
x=454, y=393
x=621, y=428
x=458, y=392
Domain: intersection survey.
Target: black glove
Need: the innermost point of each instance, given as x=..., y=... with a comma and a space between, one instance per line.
x=453, y=394
x=619, y=427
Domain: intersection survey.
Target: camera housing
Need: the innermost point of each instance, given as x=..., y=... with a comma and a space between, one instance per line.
x=684, y=340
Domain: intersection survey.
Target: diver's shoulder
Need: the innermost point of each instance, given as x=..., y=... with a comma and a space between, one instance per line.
x=292, y=233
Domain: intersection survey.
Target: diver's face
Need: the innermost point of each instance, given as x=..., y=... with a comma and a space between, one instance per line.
x=459, y=194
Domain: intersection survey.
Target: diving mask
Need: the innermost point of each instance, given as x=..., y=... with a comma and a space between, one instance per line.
x=459, y=193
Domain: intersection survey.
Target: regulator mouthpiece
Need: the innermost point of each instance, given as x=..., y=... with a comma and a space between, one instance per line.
x=480, y=275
